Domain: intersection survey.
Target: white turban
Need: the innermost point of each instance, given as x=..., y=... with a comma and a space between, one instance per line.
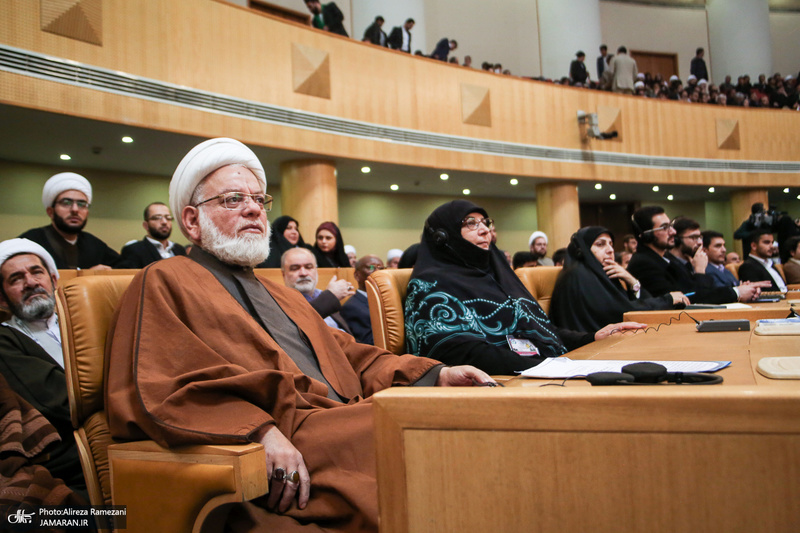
x=394, y=253
x=65, y=181
x=24, y=246
x=535, y=235
x=201, y=161
x=349, y=249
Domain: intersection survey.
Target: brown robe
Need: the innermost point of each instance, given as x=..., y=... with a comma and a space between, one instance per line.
x=188, y=364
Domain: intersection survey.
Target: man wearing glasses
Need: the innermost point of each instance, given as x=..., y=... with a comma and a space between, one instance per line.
x=356, y=310
x=67, y=197
x=202, y=351
x=669, y=257
x=156, y=244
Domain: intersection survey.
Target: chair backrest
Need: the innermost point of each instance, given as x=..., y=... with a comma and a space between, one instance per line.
x=733, y=268
x=86, y=306
x=386, y=292
x=540, y=282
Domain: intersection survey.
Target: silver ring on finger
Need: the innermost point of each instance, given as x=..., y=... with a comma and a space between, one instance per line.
x=294, y=477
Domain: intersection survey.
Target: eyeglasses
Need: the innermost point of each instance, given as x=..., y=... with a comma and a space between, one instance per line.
x=168, y=218
x=472, y=223
x=372, y=268
x=692, y=237
x=233, y=201
x=663, y=227
x=69, y=202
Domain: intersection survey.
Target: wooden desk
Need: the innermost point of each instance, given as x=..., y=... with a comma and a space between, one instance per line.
x=757, y=311
x=601, y=459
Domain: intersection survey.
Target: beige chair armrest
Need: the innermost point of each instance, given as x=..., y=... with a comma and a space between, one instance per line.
x=183, y=489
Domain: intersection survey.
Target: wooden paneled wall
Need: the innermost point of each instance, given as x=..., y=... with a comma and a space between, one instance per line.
x=218, y=47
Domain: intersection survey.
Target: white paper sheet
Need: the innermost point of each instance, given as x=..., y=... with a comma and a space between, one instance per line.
x=564, y=367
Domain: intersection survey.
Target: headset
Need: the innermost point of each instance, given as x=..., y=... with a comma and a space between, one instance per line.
x=647, y=236
x=439, y=236
x=651, y=374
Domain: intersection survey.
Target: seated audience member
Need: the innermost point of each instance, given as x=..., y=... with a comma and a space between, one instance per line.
x=538, y=245
x=759, y=265
x=156, y=244
x=329, y=247
x=356, y=310
x=31, y=359
x=465, y=304
x=409, y=258
x=589, y=293
x=259, y=365
x=28, y=440
x=299, y=268
x=351, y=254
x=559, y=257
x=375, y=34
x=285, y=236
x=714, y=247
x=732, y=257
x=67, y=197
x=400, y=37
x=327, y=18
x=660, y=272
x=629, y=243
x=625, y=259
x=393, y=257
x=791, y=268
x=523, y=260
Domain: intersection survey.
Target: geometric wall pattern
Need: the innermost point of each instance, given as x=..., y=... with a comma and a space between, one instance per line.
x=476, y=105
x=311, y=72
x=610, y=119
x=76, y=19
x=728, y=134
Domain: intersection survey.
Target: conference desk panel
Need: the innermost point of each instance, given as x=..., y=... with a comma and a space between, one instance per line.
x=757, y=311
x=537, y=457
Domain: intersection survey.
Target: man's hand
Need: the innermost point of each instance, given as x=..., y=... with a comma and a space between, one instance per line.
x=700, y=261
x=462, y=376
x=616, y=328
x=340, y=288
x=281, y=454
x=679, y=298
x=751, y=290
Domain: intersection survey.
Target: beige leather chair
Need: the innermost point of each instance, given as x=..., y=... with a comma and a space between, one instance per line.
x=386, y=293
x=540, y=282
x=179, y=490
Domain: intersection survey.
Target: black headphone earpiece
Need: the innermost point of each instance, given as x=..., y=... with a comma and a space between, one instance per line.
x=646, y=236
x=574, y=247
x=439, y=236
x=651, y=374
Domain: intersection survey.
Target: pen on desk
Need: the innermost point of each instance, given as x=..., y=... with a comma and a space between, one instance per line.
x=689, y=294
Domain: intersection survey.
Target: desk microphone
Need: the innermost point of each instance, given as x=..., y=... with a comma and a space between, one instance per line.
x=651, y=374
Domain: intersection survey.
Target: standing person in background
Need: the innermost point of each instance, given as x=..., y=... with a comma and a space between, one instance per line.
x=443, y=49
x=327, y=18
x=400, y=37
x=623, y=70
x=578, y=74
x=374, y=34
x=698, y=66
x=602, y=61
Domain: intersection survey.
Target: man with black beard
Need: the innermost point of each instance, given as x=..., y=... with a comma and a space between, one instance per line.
x=156, y=244
x=67, y=197
x=31, y=359
x=661, y=272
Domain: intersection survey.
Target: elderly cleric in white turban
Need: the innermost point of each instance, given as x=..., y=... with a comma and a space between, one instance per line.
x=13, y=247
x=65, y=181
x=201, y=161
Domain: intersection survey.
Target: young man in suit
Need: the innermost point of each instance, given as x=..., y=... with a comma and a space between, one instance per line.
x=758, y=266
x=156, y=244
x=356, y=310
x=400, y=37
x=328, y=17
x=714, y=247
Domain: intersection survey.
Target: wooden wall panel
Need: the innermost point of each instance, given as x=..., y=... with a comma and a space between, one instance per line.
x=222, y=48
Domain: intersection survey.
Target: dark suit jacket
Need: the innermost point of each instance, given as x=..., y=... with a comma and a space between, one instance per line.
x=356, y=312
x=328, y=305
x=577, y=72
x=333, y=18
x=39, y=380
x=752, y=270
x=375, y=35
x=721, y=278
x=142, y=253
x=91, y=250
x=396, y=39
x=442, y=50
x=601, y=66
x=660, y=277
